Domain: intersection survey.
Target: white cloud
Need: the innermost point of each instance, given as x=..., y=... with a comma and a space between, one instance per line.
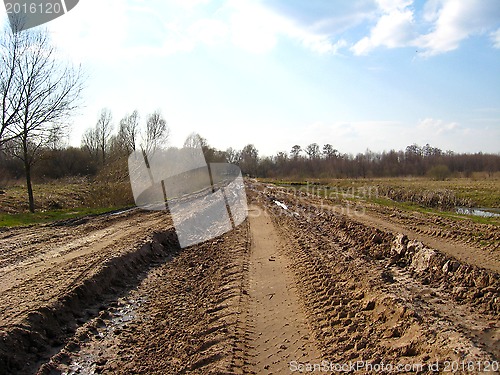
x=121, y=30
x=257, y=28
x=92, y=29
x=131, y=28
x=253, y=27
x=209, y=31
x=322, y=44
x=393, y=5
x=395, y=28
x=456, y=20
x=317, y=42
x=189, y=4
x=495, y=37
x=433, y=127
x=127, y=29
x=450, y=22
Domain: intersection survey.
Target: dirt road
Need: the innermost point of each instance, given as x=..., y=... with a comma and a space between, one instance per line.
x=279, y=328
x=295, y=285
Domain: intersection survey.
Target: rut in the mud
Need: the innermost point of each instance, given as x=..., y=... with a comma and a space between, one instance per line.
x=184, y=317
x=27, y=345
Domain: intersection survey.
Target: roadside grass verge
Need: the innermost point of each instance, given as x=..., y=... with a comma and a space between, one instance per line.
x=62, y=200
x=41, y=217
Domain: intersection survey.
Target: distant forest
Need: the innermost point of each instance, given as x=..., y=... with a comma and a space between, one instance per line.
x=328, y=162
x=106, y=157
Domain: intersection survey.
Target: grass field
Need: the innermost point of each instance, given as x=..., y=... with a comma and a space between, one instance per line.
x=60, y=201
x=64, y=200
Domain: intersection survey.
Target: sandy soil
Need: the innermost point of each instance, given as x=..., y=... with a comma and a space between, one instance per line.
x=279, y=328
x=298, y=284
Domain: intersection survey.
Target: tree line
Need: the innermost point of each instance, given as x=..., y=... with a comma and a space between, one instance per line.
x=104, y=149
x=314, y=161
x=101, y=147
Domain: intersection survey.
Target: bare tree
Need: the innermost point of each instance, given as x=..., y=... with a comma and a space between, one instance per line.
x=249, y=160
x=157, y=132
x=329, y=152
x=211, y=154
x=90, y=143
x=194, y=140
x=295, y=152
x=12, y=47
x=129, y=131
x=103, y=131
x=313, y=151
x=233, y=156
x=56, y=134
x=49, y=92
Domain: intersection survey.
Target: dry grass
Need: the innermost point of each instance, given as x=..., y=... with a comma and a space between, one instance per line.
x=63, y=195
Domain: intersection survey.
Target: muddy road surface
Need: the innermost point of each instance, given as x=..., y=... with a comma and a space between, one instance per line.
x=301, y=286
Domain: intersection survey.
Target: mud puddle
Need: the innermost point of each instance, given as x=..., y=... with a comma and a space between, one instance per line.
x=88, y=356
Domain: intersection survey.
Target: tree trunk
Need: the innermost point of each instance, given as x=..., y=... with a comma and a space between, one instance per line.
x=27, y=171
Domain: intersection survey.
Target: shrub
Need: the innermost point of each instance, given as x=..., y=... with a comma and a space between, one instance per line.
x=439, y=172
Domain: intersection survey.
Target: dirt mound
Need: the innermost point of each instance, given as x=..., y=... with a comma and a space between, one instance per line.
x=475, y=285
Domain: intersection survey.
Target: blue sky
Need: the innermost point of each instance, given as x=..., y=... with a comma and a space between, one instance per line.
x=377, y=74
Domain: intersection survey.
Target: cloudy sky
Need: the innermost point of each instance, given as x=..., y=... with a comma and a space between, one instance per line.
x=377, y=74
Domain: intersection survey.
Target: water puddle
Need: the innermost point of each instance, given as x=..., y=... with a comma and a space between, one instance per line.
x=122, y=211
x=478, y=211
x=90, y=356
x=281, y=204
